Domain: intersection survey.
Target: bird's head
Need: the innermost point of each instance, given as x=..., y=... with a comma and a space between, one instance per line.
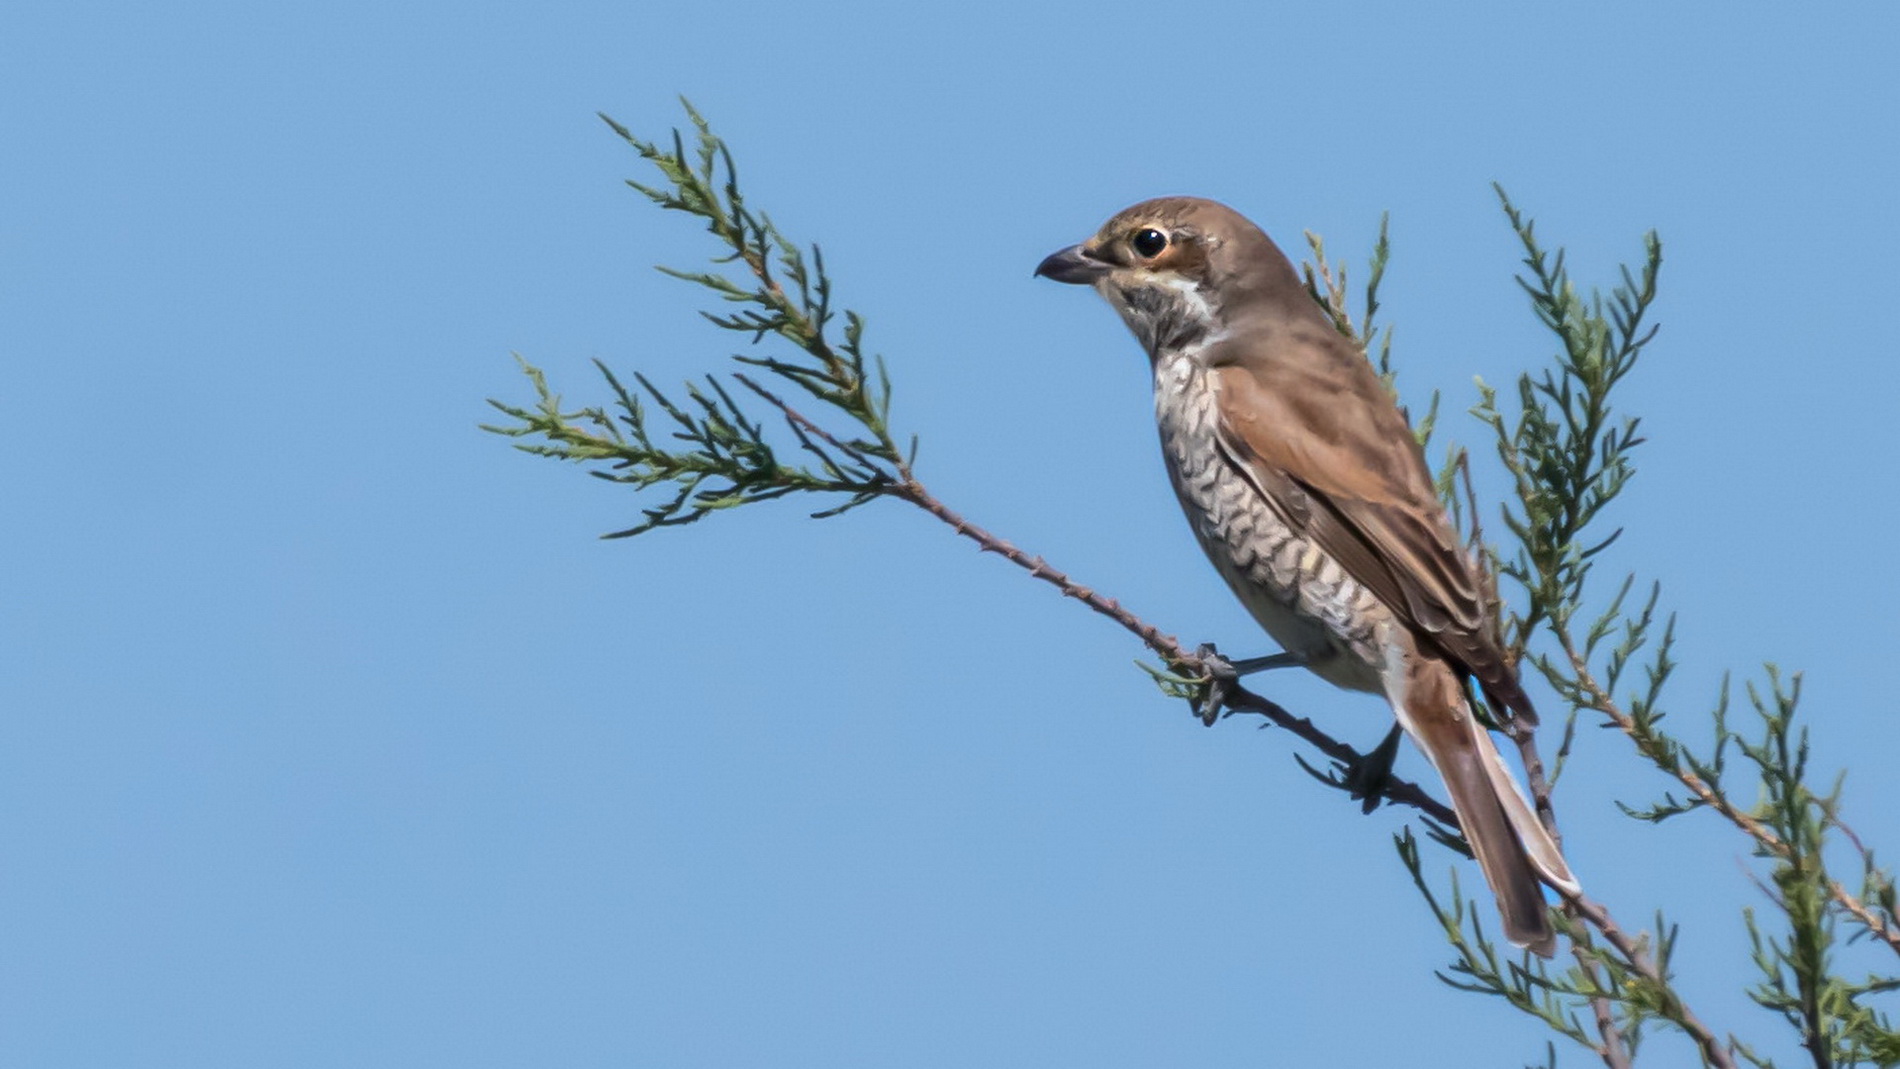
x=1180, y=270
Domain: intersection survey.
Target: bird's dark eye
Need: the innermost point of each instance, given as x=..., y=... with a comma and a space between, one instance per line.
x=1149, y=242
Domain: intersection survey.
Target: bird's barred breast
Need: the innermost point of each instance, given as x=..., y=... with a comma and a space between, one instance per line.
x=1296, y=591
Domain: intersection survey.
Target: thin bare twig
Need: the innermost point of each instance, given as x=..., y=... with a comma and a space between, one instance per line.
x=1614, y=1052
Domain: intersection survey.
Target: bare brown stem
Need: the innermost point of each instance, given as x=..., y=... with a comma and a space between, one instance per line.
x=1166, y=645
x=1613, y=1051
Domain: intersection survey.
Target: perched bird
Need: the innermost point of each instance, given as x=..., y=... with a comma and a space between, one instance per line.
x=1306, y=488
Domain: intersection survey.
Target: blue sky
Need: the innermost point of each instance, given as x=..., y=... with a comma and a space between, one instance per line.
x=332, y=736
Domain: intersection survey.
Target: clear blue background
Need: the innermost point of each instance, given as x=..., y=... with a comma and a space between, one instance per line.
x=331, y=735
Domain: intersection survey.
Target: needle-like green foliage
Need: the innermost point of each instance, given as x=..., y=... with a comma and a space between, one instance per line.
x=706, y=446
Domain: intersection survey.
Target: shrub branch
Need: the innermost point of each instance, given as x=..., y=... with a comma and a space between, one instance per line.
x=824, y=431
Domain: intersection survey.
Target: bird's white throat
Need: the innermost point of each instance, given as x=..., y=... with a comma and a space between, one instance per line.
x=1167, y=312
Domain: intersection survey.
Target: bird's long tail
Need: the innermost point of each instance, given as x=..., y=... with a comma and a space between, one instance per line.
x=1512, y=847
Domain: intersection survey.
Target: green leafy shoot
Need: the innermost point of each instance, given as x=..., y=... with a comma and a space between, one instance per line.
x=1567, y=450
x=704, y=443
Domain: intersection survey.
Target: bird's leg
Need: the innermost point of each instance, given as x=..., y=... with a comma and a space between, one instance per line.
x=1367, y=777
x=1223, y=675
x=1271, y=661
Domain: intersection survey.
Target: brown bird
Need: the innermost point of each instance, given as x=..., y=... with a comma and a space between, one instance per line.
x=1306, y=488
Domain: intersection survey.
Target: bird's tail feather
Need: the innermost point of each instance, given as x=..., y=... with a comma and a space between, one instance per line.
x=1511, y=845
x=1543, y=850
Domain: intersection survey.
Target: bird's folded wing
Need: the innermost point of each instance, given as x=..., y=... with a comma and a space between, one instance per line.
x=1321, y=440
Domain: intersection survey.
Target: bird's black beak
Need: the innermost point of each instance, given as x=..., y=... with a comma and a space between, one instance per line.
x=1073, y=265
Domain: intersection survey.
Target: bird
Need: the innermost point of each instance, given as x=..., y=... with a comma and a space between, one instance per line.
x=1306, y=488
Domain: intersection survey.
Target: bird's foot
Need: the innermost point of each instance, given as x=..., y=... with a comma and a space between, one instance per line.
x=1224, y=675
x=1210, y=698
x=1367, y=778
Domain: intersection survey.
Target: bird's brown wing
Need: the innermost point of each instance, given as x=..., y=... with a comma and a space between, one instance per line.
x=1322, y=440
